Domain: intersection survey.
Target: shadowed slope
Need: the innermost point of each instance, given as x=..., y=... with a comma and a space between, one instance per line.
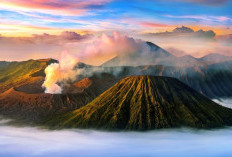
x=32, y=107
x=144, y=103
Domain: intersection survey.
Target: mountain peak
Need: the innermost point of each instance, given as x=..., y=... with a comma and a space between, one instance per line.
x=144, y=103
x=155, y=47
x=155, y=56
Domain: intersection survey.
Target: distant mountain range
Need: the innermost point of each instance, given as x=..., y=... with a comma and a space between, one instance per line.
x=22, y=96
x=212, y=80
x=145, y=103
x=159, y=56
x=215, y=58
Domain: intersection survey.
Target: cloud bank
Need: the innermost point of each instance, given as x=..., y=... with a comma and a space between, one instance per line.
x=185, y=41
x=21, y=142
x=39, y=45
x=183, y=32
x=105, y=47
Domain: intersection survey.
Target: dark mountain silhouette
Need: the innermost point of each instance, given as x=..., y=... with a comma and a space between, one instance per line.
x=144, y=103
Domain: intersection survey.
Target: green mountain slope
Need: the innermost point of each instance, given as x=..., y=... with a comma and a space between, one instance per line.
x=144, y=103
x=20, y=73
x=22, y=96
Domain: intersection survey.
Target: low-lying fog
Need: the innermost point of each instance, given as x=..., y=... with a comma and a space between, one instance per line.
x=29, y=141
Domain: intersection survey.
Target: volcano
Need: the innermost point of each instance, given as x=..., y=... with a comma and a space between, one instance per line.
x=22, y=96
x=145, y=103
x=155, y=56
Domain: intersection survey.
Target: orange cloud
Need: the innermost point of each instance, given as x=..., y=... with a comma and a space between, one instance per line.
x=67, y=7
x=153, y=24
x=219, y=30
x=12, y=29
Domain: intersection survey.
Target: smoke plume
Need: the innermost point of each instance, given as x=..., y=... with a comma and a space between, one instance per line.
x=99, y=50
x=105, y=47
x=60, y=73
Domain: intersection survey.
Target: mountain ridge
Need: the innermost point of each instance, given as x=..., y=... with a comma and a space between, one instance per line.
x=215, y=58
x=156, y=56
x=146, y=103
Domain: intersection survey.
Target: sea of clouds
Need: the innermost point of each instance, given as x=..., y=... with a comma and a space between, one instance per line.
x=34, y=142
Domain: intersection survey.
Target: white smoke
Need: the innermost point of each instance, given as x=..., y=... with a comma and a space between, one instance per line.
x=60, y=72
x=105, y=47
x=98, y=51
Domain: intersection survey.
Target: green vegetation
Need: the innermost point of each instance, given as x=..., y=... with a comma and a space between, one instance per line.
x=17, y=73
x=144, y=103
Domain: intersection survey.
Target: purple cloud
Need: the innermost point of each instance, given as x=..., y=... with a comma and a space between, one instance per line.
x=184, y=32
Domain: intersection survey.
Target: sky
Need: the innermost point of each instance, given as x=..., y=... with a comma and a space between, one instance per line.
x=66, y=22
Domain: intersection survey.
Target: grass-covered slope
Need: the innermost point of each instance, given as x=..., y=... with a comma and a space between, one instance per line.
x=20, y=73
x=22, y=96
x=144, y=103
